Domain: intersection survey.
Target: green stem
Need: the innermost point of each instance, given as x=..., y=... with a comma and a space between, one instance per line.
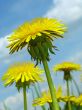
x=49, y=79
x=51, y=107
x=76, y=86
x=51, y=85
x=38, y=94
x=68, y=94
x=25, y=97
x=36, y=91
x=33, y=96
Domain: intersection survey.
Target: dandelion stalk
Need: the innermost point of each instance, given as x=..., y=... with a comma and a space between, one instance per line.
x=38, y=94
x=67, y=67
x=68, y=94
x=25, y=97
x=50, y=106
x=49, y=79
x=67, y=78
x=33, y=96
x=36, y=90
x=51, y=85
x=76, y=86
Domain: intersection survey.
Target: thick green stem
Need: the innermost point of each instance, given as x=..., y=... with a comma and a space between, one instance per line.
x=51, y=86
x=49, y=79
x=68, y=94
x=25, y=97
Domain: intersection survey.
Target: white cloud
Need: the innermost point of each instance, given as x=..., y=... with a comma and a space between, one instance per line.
x=15, y=102
x=67, y=10
x=4, y=51
x=3, y=44
x=1, y=106
x=5, y=57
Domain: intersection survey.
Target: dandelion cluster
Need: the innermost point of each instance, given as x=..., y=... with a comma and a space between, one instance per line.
x=37, y=36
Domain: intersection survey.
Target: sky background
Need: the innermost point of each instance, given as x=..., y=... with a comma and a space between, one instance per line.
x=15, y=12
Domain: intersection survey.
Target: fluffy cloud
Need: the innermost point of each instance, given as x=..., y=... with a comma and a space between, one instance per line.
x=3, y=44
x=15, y=102
x=4, y=52
x=5, y=57
x=12, y=102
x=68, y=10
x=1, y=106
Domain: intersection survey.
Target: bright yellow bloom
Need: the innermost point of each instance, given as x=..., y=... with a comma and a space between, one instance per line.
x=20, y=73
x=36, y=28
x=46, y=97
x=31, y=30
x=78, y=100
x=67, y=66
x=68, y=98
x=73, y=99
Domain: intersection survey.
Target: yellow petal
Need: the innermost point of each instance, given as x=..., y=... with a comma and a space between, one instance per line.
x=22, y=79
x=28, y=38
x=39, y=34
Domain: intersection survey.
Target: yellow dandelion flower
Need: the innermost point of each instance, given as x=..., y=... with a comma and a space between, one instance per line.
x=68, y=98
x=31, y=30
x=67, y=67
x=20, y=73
x=72, y=99
x=38, y=31
x=46, y=97
x=64, y=99
x=78, y=100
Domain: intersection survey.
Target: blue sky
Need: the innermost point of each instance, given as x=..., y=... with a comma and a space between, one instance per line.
x=15, y=12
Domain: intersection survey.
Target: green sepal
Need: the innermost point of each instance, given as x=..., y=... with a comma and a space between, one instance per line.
x=32, y=52
x=18, y=88
x=42, y=52
x=38, y=55
x=45, y=48
x=51, y=50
